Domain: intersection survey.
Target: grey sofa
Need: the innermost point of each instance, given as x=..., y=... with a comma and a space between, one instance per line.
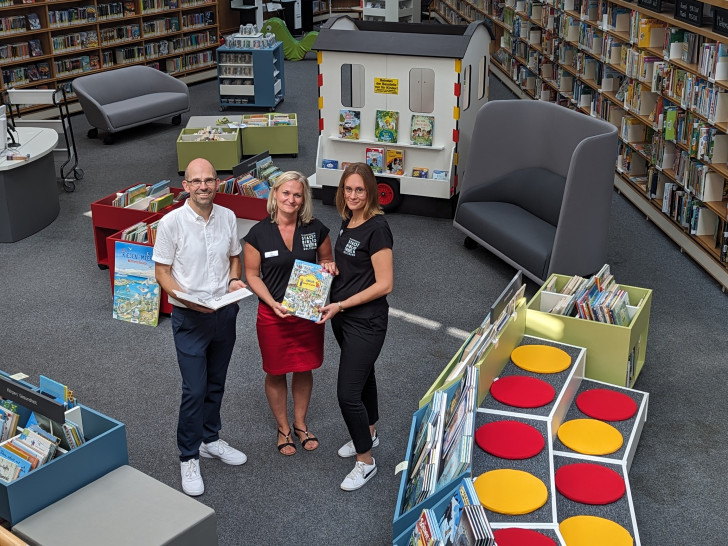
x=537, y=187
x=128, y=97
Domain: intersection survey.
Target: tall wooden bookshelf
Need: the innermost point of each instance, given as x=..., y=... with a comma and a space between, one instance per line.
x=47, y=43
x=601, y=57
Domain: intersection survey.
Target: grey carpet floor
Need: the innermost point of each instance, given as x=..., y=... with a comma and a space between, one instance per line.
x=56, y=320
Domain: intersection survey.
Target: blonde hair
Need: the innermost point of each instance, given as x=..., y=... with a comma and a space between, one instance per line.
x=305, y=213
x=372, y=207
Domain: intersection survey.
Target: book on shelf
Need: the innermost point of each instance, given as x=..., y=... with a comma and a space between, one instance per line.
x=427, y=531
x=308, y=287
x=349, y=124
x=465, y=495
x=386, y=125
x=136, y=291
x=473, y=528
x=395, y=162
x=440, y=174
x=375, y=159
x=36, y=50
x=216, y=302
x=420, y=172
x=33, y=21
x=421, y=129
x=426, y=455
x=330, y=164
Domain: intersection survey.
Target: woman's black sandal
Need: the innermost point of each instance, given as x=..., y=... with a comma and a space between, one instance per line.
x=287, y=443
x=309, y=438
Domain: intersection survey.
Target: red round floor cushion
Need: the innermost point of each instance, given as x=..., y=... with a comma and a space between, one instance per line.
x=606, y=405
x=522, y=391
x=510, y=439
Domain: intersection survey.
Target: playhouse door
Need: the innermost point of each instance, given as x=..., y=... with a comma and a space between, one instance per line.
x=422, y=89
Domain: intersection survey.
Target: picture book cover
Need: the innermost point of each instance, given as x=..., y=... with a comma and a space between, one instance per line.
x=136, y=292
x=307, y=290
x=375, y=159
x=421, y=129
x=395, y=162
x=349, y=122
x=420, y=172
x=387, y=124
x=33, y=21
x=36, y=50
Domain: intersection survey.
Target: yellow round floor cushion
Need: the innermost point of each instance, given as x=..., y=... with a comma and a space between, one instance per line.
x=540, y=358
x=511, y=492
x=590, y=437
x=594, y=531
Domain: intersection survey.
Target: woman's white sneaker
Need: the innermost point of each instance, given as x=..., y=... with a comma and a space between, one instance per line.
x=361, y=474
x=348, y=449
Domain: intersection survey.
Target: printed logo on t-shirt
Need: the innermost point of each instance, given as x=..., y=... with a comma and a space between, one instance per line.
x=308, y=240
x=351, y=246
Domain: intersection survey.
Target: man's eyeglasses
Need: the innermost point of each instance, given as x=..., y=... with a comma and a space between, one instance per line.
x=357, y=191
x=197, y=182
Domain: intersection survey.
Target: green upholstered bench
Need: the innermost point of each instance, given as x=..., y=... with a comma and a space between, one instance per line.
x=123, y=507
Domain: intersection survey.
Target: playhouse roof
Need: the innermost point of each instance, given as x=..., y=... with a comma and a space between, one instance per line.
x=415, y=39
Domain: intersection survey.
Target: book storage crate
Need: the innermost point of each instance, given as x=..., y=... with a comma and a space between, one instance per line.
x=275, y=139
x=615, y=354
x=404, y=520
x=108, y=219
x=104, y=450
x=223, y=154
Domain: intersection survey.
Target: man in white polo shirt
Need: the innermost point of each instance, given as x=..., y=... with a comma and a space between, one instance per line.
x=197, y=251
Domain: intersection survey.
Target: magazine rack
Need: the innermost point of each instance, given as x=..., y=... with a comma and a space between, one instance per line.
x=104, y=450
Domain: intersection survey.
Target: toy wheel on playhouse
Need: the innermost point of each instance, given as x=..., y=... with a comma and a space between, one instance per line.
x=389, y=196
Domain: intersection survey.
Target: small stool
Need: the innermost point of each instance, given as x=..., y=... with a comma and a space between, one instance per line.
x=123, y=507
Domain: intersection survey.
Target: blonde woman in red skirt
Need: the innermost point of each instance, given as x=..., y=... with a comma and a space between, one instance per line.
x=288, y=344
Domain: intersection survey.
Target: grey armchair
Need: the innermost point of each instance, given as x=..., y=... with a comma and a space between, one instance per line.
x=536, y=189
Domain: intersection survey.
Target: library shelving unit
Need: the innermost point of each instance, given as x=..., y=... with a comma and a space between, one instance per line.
x=251, y=77
x=45, y=44
x=396, y=11
x=661, y=77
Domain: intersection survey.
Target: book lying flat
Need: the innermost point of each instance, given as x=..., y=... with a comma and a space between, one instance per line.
x=218, y=302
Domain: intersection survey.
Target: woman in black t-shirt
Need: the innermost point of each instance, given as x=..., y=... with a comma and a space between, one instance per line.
x=288, y=344
x=359, y=311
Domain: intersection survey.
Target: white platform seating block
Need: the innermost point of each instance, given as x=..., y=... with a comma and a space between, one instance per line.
x=121, y=508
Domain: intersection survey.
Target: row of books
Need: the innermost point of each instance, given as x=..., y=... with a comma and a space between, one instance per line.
x=141, y=232
x=443, y=442
x=597, y=298
x=140, y=191
x=20, y=50
x=115, y=10
x=267, y=120
x=386, y=126
x=464, y=523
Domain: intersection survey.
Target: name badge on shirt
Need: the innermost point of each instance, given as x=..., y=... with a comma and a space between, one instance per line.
x=271, y=254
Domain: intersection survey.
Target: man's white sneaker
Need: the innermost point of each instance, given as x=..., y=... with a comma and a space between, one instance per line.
x=220, y=449
x=192, y=483
x=348, y=449
x=361, y=474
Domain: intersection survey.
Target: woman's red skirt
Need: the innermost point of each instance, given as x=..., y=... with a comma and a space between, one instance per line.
x=288, y=345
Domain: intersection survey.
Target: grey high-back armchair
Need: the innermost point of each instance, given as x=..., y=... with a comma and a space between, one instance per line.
x=537, y=187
